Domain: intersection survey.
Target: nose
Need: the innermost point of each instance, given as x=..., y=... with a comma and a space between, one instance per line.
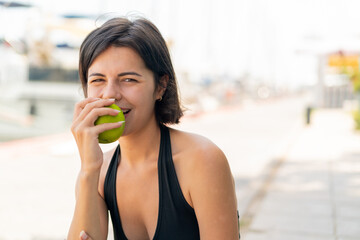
x=112, y=90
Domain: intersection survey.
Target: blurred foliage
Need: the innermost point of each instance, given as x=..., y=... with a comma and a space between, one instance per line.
x=356, y=116
x=348, y=64
x=353, y=73
x=354, y=76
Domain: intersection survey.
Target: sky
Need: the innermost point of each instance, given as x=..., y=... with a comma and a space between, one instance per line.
x=276, y=41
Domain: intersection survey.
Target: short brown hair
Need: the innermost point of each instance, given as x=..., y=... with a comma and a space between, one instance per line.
x=142, y=36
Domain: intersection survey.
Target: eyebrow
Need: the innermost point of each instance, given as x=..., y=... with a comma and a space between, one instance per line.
x=119, y=75
x=129, y=73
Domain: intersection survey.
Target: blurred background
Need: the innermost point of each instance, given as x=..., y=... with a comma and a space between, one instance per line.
x=276, y=84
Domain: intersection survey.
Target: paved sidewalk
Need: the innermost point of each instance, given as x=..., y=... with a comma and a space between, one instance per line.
x=315, y=191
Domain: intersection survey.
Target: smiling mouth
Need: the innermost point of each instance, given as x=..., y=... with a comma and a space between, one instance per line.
x=126, y=111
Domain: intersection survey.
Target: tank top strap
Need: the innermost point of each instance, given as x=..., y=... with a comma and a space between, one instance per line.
x=163, y=154
x=110, y=195
x=168, y=181
x=177, y=218
x=110, y=179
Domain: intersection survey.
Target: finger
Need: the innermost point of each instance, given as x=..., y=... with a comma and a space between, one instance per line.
x=81, y=105
x=92, y=105
x=84, y=236
x=95, y=113
x=107, y=126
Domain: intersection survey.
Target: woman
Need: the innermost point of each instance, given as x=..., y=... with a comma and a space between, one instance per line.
x=159, y=183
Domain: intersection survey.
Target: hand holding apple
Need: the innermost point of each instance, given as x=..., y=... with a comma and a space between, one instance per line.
x=111, y=135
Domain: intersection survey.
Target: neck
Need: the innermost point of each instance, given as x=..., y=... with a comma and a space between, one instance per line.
x=140, y=147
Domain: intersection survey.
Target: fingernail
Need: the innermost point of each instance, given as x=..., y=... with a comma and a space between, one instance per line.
x=112, y=99
x=121, y=122
x=83, y=235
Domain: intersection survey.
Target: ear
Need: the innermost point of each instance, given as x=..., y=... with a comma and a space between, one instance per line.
x=162, y=86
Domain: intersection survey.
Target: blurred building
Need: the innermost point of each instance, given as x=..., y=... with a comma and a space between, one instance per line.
x=335, y=85
x=38, y=68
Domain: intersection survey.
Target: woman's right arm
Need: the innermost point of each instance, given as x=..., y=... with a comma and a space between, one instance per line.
x=90, y=210
x=90, y=213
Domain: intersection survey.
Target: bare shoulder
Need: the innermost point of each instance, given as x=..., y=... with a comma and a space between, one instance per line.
x=199, y=159
x=197, y=150
x=209, y=183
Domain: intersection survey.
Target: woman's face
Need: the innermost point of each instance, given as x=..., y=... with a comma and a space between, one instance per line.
x=120, y=73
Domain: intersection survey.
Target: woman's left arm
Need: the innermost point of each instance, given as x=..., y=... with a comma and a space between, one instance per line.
x=213, y=195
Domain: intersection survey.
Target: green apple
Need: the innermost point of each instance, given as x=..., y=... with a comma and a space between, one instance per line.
x=111, y=135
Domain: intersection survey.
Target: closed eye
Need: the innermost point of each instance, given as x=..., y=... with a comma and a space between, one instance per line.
x=97, y=80
x=130, y=80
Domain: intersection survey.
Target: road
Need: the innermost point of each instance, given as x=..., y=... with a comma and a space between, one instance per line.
x=252, y=136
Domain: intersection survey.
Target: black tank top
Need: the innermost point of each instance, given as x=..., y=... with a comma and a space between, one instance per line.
x=176, y=218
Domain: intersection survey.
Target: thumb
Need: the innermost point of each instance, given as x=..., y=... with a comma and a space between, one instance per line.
x=84, y=236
